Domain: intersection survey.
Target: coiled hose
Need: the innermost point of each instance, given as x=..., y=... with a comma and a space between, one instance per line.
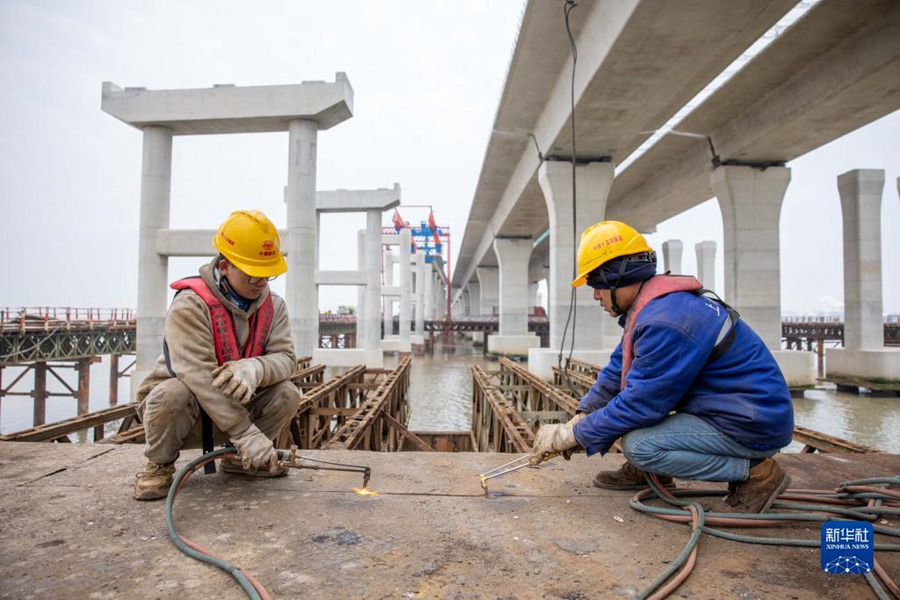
x=861, y=500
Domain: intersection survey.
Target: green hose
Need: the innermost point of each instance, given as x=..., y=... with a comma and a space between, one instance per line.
x=862, y=513
x=180, y=543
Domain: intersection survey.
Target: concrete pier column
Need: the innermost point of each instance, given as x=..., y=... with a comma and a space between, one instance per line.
x=420, y=292
x=301, y=293
x=153, y=271
x=440, y=294
x=429, y=290
x=672, y=251
x=373, y=287
x=388, y=316
x=361, y=299
x=861, y=192
x=475, y=309
x=513, y=338
x=532, y=296
x=706, y=264
x=474, y=298
x=405, y=259
x=750, y=200
x=593, y=181
x=863, y=361
x=489, y=279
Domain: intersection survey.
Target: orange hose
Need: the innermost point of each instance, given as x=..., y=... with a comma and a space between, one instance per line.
x=685, y=571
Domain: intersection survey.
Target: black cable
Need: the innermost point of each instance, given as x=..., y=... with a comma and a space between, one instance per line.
x=572, y=316
x=537, y=147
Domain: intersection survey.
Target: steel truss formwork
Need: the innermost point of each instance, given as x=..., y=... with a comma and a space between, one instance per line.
x=379, y=423
x=497, y=425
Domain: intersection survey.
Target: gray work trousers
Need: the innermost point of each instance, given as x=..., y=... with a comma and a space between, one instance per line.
x=171, y=417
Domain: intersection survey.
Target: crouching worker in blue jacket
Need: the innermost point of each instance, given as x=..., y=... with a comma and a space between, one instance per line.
x=691, y=388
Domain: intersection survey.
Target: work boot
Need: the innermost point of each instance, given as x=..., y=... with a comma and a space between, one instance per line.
x=154, y=481
x=628, y=477
x=234, y=466
x=766, y=482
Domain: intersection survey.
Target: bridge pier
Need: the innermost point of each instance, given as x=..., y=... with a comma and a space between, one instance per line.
x=593, y=181
x=750, y=200
x=512, y=337
x=864, y=361
x=706, y=264
x=153, y=269
x=672, y=251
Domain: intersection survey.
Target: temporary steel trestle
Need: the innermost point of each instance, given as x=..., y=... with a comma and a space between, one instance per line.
x=368, y=410
x=506, y=414
x=497, y=425
x=365, y=429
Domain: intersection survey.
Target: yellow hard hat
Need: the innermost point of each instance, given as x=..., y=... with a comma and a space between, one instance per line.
x=603, y=242
x=250, y=242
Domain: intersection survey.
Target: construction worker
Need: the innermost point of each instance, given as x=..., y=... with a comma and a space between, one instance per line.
x=691, y=387
x=226, y=363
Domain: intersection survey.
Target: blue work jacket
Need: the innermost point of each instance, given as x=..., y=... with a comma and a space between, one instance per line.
x=742, y=393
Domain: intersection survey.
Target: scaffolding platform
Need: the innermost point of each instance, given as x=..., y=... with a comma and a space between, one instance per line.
x=70, y=529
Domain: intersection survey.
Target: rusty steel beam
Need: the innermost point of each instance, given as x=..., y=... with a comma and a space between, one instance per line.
x=308, y=377
x=585, y=368
x=576, y=382
x=61, y=429
x=361, y=427
x=317, y=394
x=406, y=434
x=816, y=440
x=133, y=435
x=497, y=424
x=548, y=397
x=309, y=429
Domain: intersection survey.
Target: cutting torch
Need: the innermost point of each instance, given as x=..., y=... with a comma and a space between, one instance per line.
x=290, y=459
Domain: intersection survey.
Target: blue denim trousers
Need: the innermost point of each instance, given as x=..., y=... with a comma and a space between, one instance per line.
x=688, y=447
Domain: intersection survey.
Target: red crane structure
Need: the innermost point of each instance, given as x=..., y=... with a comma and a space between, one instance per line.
x=427, y=236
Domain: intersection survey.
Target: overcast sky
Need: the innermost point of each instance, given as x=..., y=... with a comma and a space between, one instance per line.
x=427, y=78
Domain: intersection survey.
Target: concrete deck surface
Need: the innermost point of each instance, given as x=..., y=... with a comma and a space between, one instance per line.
x=70, y=529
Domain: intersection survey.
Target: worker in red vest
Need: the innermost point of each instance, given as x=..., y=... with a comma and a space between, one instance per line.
x=224, y=374
x=691, y=387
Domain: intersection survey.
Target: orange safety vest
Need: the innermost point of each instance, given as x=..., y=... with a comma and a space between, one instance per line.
x=657, y=286
x=227, y=348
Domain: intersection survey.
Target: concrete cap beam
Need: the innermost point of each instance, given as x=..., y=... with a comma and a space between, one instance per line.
x=345, y=201
x=231, y=109
x=341, y=277
x=185, y=242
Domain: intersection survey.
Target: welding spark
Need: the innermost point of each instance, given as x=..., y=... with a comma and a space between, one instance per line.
x=365, y=492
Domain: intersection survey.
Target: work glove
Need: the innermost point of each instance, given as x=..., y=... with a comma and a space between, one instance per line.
x=255, y=450
x=238, y=379
x=555, y=439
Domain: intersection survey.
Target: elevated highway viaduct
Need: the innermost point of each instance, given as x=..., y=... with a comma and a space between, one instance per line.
x=831, y=71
